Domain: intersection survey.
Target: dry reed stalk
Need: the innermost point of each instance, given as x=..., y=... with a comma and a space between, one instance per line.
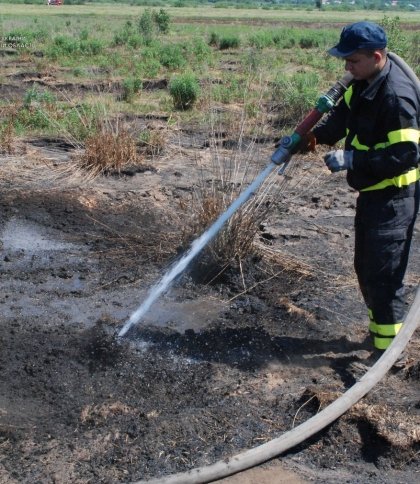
x=288, y=262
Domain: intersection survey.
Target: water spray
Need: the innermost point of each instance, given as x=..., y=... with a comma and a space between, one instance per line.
x=280, y=158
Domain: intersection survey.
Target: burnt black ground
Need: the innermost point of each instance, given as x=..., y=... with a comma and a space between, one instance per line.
x=211, y=371
x=181, y=391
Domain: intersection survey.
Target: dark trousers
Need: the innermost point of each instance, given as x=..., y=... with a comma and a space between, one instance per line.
x=383, y=231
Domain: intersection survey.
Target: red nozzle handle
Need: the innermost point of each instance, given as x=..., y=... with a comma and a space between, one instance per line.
x=309, y=122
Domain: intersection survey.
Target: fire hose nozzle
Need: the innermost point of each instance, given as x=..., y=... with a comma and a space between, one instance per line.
x=283, y=152
x=281, y=157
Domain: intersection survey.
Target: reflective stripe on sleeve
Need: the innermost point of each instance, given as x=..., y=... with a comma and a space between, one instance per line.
x=397, y=136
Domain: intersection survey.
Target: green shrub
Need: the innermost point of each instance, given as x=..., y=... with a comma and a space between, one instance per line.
x=214, y=39
x=84, y=34
x=63, y=46
x=200, y=52
x=35, y=96
x=162, y=20
x=231, y=90
x=91, y=47
x=81, y=121
x=308, y=42
x=149, y=64
x=261, y=40
x=146, y=25
x=397, y=41
x=295, y=95
x=32, y=117
x=229, y=42
x=184, y=90
x=172, y=56
x=130, y=88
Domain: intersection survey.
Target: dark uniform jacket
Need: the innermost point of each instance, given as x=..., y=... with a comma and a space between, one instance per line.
x=380, y=122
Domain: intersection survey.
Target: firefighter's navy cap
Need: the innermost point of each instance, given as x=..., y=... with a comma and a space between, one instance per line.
x=361, y=35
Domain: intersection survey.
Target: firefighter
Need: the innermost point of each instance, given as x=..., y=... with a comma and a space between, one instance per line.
x=379, y=119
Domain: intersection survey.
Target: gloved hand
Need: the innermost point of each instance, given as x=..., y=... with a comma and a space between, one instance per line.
x=339, y=160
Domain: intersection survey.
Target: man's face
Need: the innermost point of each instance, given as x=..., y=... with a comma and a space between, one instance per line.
x=362, y=66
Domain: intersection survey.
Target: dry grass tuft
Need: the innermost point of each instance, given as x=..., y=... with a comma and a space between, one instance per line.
x=224, y=175
x=287, y=262
x=399, y=429
x=109, y=150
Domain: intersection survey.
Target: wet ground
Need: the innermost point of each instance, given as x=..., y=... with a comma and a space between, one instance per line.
x=218, y=365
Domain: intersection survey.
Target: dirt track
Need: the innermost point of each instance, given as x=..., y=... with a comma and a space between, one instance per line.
x=215, y=367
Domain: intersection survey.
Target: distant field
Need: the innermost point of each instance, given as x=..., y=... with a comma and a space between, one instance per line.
x=116, y=56
x=292, y=15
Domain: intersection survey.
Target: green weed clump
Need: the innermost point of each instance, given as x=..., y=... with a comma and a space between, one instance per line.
x=172, y=56
x=232, y=89
x=130, y=88
x=199, y=52
x=229, y=42
x=397, y=40
x=127, y=36
x=65, y=46
x=264, y=39
x=40, y=111
x=152, y=23
x=28, y=36
x=295, y=95
x=214, y=39
x=184, y=90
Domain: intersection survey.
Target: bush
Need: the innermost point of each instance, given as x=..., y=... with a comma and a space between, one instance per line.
x=65, y=45
x=229, y=42
x=35, y=96
x=214, y=39
x=184, y=90
x=91, y=47
x=162, y=21
x=261, y=40
x=397, y=41
x=295, y=95
x=200, y=52
x=130, y=88
x=172, y=56
x=308, y=42
x=146, y=25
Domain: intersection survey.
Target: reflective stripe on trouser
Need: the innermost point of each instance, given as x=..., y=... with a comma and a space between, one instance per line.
x=383, y=334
